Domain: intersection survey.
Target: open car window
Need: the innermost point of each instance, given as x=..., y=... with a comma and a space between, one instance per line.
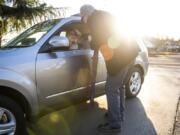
x=83, y=40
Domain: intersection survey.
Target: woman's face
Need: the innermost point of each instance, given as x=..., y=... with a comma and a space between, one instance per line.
x=73, y=38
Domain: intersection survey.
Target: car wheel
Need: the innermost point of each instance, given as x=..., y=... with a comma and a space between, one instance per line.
x=12, y=121
x=134, y=82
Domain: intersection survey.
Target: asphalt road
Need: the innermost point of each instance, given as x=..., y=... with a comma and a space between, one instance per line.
x=151, y=113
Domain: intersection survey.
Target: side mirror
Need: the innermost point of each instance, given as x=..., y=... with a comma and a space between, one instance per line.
x=58, y=42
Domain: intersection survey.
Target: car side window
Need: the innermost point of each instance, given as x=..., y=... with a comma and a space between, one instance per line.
x=77, y=34
x=77, y=41
x=72, y=36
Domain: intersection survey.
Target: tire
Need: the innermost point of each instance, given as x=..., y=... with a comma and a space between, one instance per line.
x=134, y=82
x=12, y=114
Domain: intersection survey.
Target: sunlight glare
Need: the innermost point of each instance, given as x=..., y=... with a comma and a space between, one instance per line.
x=136, y=17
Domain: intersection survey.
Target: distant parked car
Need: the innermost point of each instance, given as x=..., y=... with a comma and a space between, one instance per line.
x=173, y=48
x=38, y=73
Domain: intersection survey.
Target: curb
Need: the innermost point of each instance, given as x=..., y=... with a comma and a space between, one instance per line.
x=176, y=130
x=163, y=53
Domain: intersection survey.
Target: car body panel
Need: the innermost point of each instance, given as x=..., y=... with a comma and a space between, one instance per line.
x=59, y=72
x=142, y=58
x=17, y=71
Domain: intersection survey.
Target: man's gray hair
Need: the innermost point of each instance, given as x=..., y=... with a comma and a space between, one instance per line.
x=86, y=10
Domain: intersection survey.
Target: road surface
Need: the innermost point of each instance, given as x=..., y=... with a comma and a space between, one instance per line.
x=151, y=113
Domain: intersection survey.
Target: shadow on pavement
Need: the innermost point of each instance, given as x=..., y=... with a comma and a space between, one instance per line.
x=136, y=120
x=83, y=120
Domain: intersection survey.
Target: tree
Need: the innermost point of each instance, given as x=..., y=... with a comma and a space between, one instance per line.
x=18, y=14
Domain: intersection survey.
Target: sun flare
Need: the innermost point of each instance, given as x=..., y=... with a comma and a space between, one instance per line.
x=136, y=17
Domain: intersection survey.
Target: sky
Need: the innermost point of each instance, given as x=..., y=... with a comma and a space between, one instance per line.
x=138, y=17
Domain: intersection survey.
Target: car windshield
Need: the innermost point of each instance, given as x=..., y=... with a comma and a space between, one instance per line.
x=32, y=35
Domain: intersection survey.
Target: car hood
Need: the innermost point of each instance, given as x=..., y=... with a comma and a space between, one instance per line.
x=9, y=52
x=10, y=57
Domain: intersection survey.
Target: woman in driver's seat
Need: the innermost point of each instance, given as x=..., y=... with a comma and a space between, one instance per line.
x=73, y=36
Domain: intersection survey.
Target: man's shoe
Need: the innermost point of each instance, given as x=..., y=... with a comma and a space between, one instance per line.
x=106, y=115
x=106, y=128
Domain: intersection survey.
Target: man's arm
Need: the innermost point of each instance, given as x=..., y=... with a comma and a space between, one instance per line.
x=93, y=75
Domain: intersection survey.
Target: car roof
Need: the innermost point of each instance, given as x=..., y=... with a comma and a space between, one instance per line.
x=78, y=14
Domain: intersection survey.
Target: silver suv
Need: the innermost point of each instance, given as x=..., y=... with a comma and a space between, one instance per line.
x=38, y=73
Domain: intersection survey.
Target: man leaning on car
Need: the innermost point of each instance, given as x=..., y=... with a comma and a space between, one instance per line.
x=118, y=57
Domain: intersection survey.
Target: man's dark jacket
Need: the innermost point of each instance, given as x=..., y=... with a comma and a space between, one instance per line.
x=100, y=24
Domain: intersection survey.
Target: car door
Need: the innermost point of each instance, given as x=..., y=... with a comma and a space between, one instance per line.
x=63, y=76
